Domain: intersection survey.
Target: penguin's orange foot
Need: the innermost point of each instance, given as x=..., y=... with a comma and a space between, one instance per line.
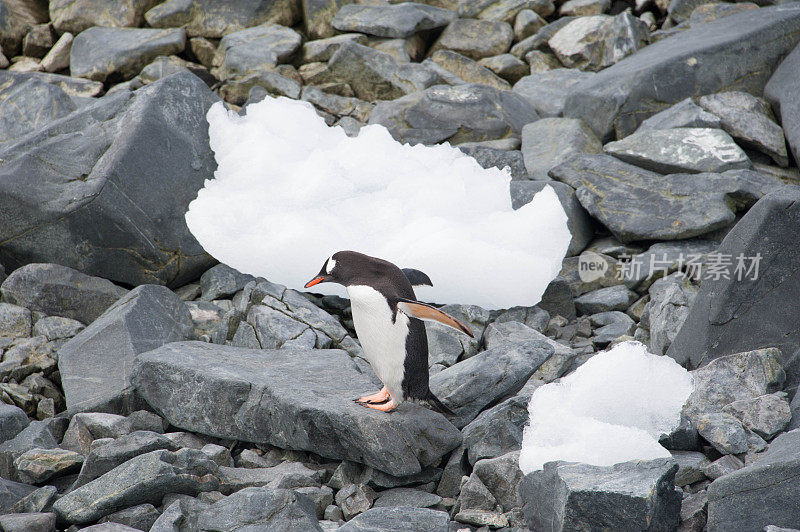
x=377, y=397
x=385, y=407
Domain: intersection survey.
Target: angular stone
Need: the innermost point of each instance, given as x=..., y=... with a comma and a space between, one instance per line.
x=77, y=15
x=498, y=430
x=12, y=492
x=760, y=494
x=749, y=120
x=256, y=49
x=679, y=205
x=139, y=517
x=321, y=50
x=548, y=142
x=407, y=497
x=258, y=508
x=180, y=378
x=144, y=479
x=539, y=41
x=493, y=374
x=670, y=300
x=666, y=258
x=38, y=41
x=36, y=501
x=120, y=53
x=286, y=475
x=610, y=326
x=56, y=327
x=132, y=230
x=507, y=10
x=354, y=499
x=79, y=87
x=207, y=18
x=506, y=66
x=680, y=150
x=15, y=321
x=222, y=281
x=497, y=158
x=583, y=8
x=596, y=42
x=780, y=92
x=164, y=66
x=468, y=70
x=237, y=89
x=501, y=476
x=684, y=114
x=724, y=432
x=33, y=522
x=605, y=299
x=464, y=113
x=12, y=421
x=628, y=496
x=398, y=519
x=376, y=75
x=95, y=365
x=475, y=39
x=690, y=467
x=761, y=306
x=547, y=91
x=616, y=100
x=39, y=465
x=722, y=466
x=527, y=23
x=58, y=57
x=28, y=104
x=37, y=435
x=399, y=20
x=766, y=415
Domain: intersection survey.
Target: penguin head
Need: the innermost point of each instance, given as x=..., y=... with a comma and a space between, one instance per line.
x=335, y=270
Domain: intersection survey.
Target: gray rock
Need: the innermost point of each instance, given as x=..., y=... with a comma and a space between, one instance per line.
x=665, y=258
x=37, y=435
x=578, y=221
x=406, y=497
x=12, y=421
x=691, y=466
x=286, y=475
x=39, y=500
x=582, y=8
x=505, y=10
x=475, y=496
x=501, y=476
x=493, y=374
x=318, y=14
x=57, y=328
x=475, y=39
x=103, y=458
x=322, y=497
x=398, y=519
x=206, y=18
x=354, y=499
x=15, y=321
x=503, y=334
x=711, y=57
x=547, y=91
x=598, y=41
x=180, y=378
x=507, y=66
x=605, y=299
x=58, y=56
x=34, y=522
x=102, y=53
x=497, y=158
x=74, y=87
x=256, y=49
x=680, y=150
x=95, y=364
x=57, y=290
x=340, y=106
x=375, y=75
x=321, y=50
x=143, y=479
x=723, y=431
x=611, y=325
x=222, y=281
x=527, y=23
x=77, y=15
x=750, y=121
x=779, y=92
x=39, y=465
x=258, y=509
x=27, y=104
x=139, y=517
x=498, y=430
x=683, y=114
x=766, y=415
x=12, y=492
x=631, y=495
x=237, y=89
x=549, y=142
x=607, y=274
x=467, y=69
x=761, y=493
x=132, y=230
x=399, y=20
x=611, y=191
x=464, y=113
x=761, y=306
x=722, y=466
x=670, y=301
x=694, y=512
x=539, y=40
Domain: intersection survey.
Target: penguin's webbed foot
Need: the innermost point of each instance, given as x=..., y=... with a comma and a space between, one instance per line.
x=385, y=407
x=378, y=397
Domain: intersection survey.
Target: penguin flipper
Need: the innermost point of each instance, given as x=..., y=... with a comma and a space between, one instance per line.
x=421, y=311
x=417, y=278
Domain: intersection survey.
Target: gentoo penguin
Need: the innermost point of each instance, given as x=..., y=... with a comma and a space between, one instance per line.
x=387, y=318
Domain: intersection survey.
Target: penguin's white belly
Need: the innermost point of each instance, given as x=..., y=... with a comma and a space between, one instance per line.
x=383, y=340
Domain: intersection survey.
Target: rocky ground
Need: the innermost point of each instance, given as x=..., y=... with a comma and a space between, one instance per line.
x=144, y=387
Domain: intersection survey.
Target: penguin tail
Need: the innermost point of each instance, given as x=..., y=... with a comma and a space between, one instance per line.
x=437, y=405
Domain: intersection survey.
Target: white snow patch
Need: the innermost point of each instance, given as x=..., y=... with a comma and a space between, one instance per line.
x=289, y=191
x=612, y=409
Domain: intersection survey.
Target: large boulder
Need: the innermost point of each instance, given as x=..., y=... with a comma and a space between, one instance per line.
x=77, y=15
x=256, y=49
x=105, y=189
x=293, y=398
x=397, y=21
x=759, y=296
x=781, y=92
x=213, y=19
x=95, y=365
x=732, y=53
x=465, y=113
x=258, y=508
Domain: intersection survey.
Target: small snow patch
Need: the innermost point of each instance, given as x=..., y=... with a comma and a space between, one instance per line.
x=612, y=409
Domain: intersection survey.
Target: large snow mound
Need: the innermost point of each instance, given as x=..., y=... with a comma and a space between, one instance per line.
x=612, y=409
x=289, y=191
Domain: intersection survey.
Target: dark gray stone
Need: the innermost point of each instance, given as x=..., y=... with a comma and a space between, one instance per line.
x=286, y=475
x=549, y=142
x=580, y=225
x=605, y=299
x=498, y=430
x=33, y=522
x=108, y=200
x=229, y=392
x=16, y=19
x=407, y=497
x=547, y=91
x=354, y=499
x=494, y=158
x=724, y=432
x=493, y=375
x=28, y=104
x=57, y=328
x=258, y=509
x=464, y=113
x=139, y=517
x=208, y=18
x=501, y=476
x=475, y=39
x=475, y=496
x=12, y=421
x=321, y=50
x=466, y=69
x=37, y=435
x=400, y=20
x=685, y=113
x=39, y=500
x=318, y=14
x=627, y=496
x=760, y=494
x=539, y=40
x=398, y=519
x=711, y=57
x=143, y=479
x=74, y=87
x=670, y=301
x=12, y=492
x=222, y=281
x=690, y=467
x=764, y=306
x=57, y=290
x=780, y=92
x=95, y=365
x=664, y=258
x=678, y=206
x=101, y=54
x=722, y=466
x=766, y=415
x=256, y=49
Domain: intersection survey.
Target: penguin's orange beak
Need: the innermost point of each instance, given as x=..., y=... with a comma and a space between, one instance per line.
x=316, y=280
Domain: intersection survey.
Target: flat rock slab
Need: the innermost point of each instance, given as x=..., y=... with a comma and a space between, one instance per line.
x=214, y=19
x=396, y=21
x=733, y=53
x=298, y=399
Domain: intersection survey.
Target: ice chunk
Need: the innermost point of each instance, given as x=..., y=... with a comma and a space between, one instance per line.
x=611, y=409
x=289, y=191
